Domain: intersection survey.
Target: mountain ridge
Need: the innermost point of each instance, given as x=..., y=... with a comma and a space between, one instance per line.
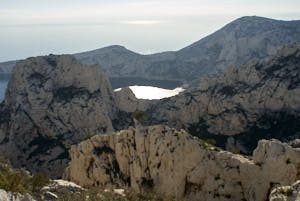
x=236, y=43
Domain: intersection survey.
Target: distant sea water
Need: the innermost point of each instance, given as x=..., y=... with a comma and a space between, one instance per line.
x=151, y=93
x=148, y=89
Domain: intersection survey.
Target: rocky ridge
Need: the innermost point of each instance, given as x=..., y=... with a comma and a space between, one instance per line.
x=51, y=103
x=238, y=108
x=163, y=160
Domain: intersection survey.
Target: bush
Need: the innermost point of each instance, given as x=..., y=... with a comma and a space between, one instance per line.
x=98, y=194
x=39, y=181
x=87, y=137
x=19, y=180
x=211, y=141
x=14, y=181
x=141, y=116
x=235, y=151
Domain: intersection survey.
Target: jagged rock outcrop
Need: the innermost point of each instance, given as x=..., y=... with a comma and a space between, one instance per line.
x=162, y=160
x=286, y=193
x=126, y=101
x=260, y=100
x=51, y=103
x=236, y=43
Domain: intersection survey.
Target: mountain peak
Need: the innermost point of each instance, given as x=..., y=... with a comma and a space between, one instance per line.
x=116, y=47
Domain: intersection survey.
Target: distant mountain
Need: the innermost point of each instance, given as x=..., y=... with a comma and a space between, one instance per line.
x=236, y=43
x=6, y=67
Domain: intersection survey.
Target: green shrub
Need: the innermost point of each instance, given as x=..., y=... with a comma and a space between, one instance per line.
x=141, y=116
x=14, y=181
x=98, y=194
x=39, y=181
x=235, y=151
x=87, y=137
x=211, y=141
x=19, y=180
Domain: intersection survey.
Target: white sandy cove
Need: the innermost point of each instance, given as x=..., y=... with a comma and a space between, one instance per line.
x=149, y=92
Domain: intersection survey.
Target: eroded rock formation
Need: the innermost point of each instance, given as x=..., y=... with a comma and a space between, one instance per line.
x=51, y=103
x=162, y=160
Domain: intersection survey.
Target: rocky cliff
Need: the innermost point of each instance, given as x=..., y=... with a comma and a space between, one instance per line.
x=237, y=43
x=257, y=101
x=162, y=160
x=51, y=103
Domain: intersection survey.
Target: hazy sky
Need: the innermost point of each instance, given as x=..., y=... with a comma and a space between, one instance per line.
x=39, y=27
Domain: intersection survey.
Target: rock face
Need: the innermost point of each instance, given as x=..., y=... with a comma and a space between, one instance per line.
x=260, y=100
x=51, y=103
x=286, y=193
x=236, y=43
x=126, y=101
x=162, y=160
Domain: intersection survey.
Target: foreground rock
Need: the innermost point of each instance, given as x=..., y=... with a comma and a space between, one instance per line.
x=286, y=193
x=51, y=103
x=165, y=161
x=9, y=196
x=240, y=107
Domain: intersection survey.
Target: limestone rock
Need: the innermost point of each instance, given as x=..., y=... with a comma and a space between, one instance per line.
x=58, y=188
x=126, y=101
x=165, y=161
x=51, y=103
x=9, y=196
x=286, y=193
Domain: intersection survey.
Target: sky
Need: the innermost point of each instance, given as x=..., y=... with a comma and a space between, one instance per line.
x=40, y=27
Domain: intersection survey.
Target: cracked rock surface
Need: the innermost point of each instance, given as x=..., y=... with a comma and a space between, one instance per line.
x=163, y=160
